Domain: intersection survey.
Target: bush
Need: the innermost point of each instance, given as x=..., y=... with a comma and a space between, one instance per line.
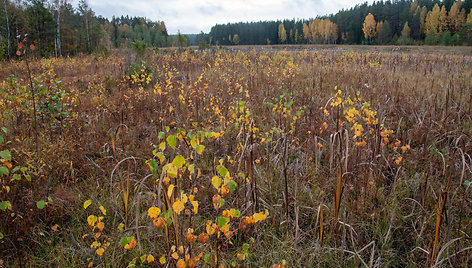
x=139, y=47
x=446, y=38
x=432, y=38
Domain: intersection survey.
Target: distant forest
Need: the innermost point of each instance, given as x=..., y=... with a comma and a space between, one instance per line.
x=400, y=22
x=57, y=28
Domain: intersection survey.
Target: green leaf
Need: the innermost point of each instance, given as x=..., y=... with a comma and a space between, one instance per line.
x=40, y=204
x=232, y=185
x=468, y=183
x=16, y=177
x=178, y=161
x=4, y=205
x=245, y=247
x=222, y=171
x=4, y=170
x=206, y=258
x=172, y=141
x=153, y=165
x=161, y=135
x=87, y=203
x=5, y=130
x=124, y=241
x=200, y=149
x=221, y=221
x=6, y=155
x=1, y=139
x=237, y=213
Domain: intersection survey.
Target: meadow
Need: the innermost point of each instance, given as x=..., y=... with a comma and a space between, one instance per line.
x=237, y=158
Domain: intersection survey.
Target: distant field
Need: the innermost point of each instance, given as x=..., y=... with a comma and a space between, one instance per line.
x=454, y=50
x=246, y=156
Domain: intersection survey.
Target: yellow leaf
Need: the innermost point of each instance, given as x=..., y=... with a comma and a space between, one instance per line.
x=178, y=206
x=225, y=228
x=100, y=226
x=100, y=251
x=216, y=182
x=193, y=142
x=103, y=210
x=166, y=180
x=162, y=259
x=399, y=160
x=175, y=255
x=150, y=259
x=95, y=244
x=259, y=216
x=92, y=219
x=183, y=198
x=154, y=212
x=87, y=203
x=194, y=203
x=181, y=264
x=162, y=146
x=161, y=157
x=171, y=170
x=195, y=206
x=7, y=164
x=169, y=190
x=131, y=245
x=178, y=161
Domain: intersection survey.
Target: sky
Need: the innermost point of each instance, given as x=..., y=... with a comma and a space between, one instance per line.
x=193, y=16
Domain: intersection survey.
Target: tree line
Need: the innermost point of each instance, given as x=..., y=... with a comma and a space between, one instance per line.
x=57, y=28
x=418, y=22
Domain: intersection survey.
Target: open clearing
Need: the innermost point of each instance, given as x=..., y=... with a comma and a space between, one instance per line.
x=318, y=156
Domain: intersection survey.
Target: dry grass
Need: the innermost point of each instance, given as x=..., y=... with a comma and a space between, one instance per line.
x=344, y=204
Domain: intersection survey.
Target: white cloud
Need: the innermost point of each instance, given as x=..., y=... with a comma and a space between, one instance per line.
x=193, y=16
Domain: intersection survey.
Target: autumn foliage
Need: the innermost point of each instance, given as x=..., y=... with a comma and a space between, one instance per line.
x=222, y=158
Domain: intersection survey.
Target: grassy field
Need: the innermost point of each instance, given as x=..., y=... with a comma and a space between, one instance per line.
x=320, y=156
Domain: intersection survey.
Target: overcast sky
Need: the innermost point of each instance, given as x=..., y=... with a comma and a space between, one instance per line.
x=193, y=16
